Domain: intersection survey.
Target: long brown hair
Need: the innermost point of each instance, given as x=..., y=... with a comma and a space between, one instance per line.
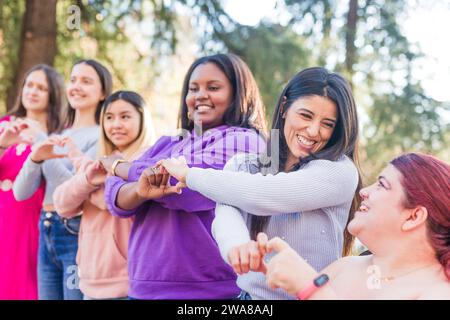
x=106, y=82
x=246, y=109
x=57, y=104
x=317, y=81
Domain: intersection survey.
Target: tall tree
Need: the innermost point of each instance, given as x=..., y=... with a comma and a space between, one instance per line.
x=37, y=41
x=369, y=47
x=350, y=37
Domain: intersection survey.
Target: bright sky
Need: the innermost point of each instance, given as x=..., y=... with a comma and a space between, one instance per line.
x=428, y=27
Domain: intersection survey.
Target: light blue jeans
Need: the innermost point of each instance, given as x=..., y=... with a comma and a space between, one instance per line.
x=57, y=268
x=85, y=297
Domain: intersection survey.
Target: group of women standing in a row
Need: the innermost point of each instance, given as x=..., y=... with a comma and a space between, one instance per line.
x=114, y=221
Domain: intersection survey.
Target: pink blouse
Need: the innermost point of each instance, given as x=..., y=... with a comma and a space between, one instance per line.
x=19, y=233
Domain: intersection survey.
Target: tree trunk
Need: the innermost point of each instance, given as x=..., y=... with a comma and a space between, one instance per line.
x=350, y=35
x=37, y=41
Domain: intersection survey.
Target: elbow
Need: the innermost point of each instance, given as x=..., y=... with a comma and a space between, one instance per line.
x=119, y=213
x=101, y=206
x=20, y=196
x=63, y=210
x=66, y=213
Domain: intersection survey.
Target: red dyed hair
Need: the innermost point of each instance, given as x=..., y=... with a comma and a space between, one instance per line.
x=426, y=182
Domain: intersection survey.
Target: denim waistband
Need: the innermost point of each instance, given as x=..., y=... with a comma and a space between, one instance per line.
x=72, y=225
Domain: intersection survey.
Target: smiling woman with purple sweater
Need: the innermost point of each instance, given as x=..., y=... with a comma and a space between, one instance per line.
x=172, y=254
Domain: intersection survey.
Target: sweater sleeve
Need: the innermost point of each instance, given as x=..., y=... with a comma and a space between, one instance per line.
x=320, y=184
x=69, y=197
x=218, y=150
x=28, y=180
x=58, y=171
x=214, y=156
x=30, y=176
x=229, y=228
x=112, y=187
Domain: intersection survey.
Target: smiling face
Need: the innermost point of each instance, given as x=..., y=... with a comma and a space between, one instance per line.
x=84, y=89
x=382, y=210
x=209, y=96
x=121, y=123
x=309, y=124
x=35, y=94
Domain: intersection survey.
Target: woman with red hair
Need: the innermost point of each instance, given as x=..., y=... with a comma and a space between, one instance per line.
x=404, y=220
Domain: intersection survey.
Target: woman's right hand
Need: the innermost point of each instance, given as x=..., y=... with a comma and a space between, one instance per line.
x=249, y=256
x=10, y=134
x=96, y=173
x=33, y=128
x=287, y=270
x=72, y=149
x=154, y=183
x=176, y=167
x=45, y=151
x=107, y=161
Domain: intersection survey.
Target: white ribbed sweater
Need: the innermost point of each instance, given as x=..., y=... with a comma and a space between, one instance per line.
x=309, y=209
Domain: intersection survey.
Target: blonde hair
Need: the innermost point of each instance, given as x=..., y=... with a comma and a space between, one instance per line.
x=146, y=136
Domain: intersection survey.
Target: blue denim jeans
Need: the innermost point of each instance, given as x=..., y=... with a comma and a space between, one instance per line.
x=244, y=295
x=57, y=268
x=85, y=297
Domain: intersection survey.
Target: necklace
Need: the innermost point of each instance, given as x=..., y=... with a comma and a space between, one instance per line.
x=377, y=272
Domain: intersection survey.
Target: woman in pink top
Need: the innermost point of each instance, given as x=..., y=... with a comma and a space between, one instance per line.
x=39, y=107
x=126, y=128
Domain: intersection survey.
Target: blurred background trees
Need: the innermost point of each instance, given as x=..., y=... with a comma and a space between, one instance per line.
x=149, y=44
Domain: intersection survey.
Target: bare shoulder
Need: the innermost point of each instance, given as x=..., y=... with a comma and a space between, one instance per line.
x=439, y=291
x=345, y=264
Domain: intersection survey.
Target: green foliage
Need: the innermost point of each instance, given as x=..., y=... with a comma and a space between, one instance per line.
x=11, y=12
x=136, y=38
x=400, y=116
x=274, y=54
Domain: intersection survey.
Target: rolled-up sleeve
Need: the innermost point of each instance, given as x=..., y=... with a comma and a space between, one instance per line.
x=112, y=187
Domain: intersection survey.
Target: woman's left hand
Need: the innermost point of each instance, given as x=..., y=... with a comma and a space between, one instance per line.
x=176, y=167
x=96, y=173
x=107, y=161
x=45, y=151
x=73, y=150
x=287, y=270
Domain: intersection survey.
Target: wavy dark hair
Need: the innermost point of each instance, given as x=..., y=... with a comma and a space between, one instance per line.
x=106, y=82
x=57, y=104
x=246, y=109
x=317, y=81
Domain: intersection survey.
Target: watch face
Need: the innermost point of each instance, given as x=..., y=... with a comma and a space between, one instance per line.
x=321, y=280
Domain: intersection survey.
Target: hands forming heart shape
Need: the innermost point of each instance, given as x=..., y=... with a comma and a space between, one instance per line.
x=285, y=270
x=45, y=150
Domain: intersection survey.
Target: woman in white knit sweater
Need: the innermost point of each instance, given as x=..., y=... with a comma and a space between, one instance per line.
x=303, y=192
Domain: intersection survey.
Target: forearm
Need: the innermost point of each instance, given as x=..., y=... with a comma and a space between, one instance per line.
x=70, y=196
x=3, y=146
x=229, y=229
x=55, y=170
x=128, y=197
x=325, y=293
x=320, y=185
x=27, y=181
x=122, y=169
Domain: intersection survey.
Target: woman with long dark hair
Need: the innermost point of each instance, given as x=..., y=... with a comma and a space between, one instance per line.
x=302, y=192
x=172, y=254
x=38, y=111
x=90, y=83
